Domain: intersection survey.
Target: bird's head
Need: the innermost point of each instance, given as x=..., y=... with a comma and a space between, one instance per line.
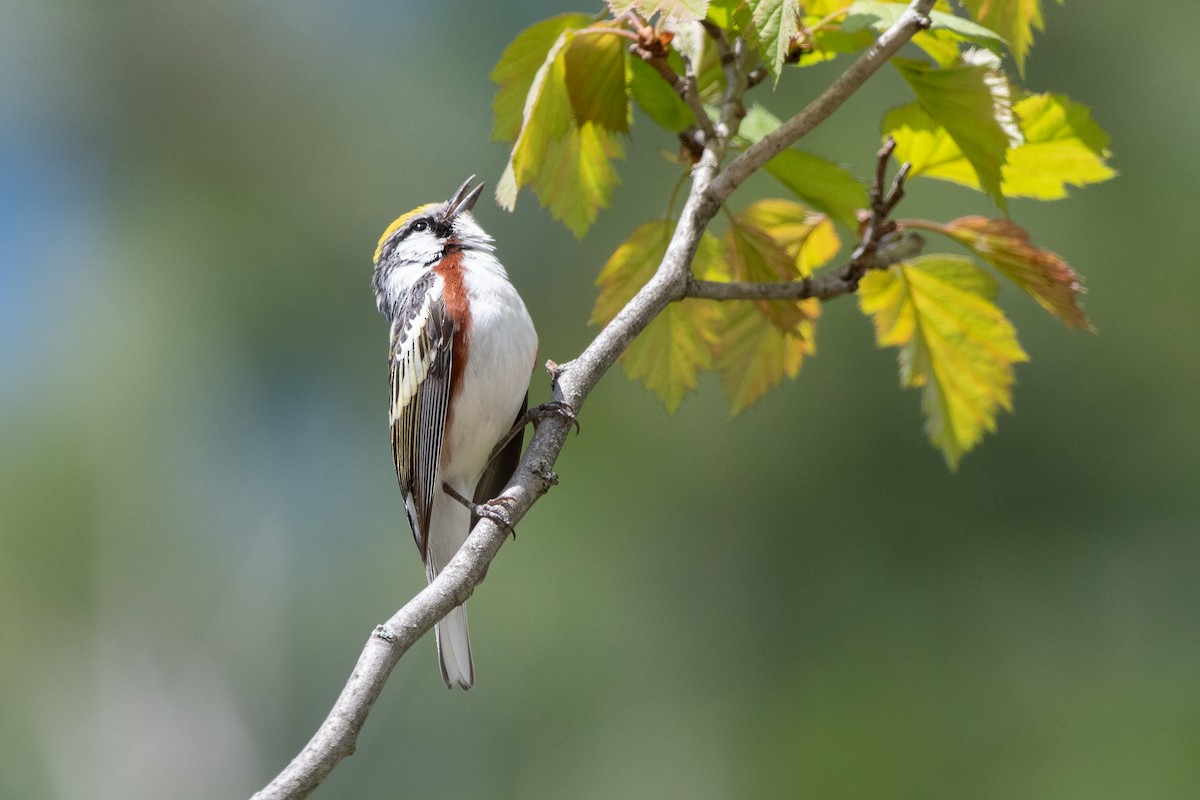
x=420, y=239
x=427, y=233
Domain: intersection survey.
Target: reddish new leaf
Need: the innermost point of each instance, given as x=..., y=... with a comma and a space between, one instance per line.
x=1042, y=273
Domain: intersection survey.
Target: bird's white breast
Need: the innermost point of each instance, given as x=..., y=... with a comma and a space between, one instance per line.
x=501, y=349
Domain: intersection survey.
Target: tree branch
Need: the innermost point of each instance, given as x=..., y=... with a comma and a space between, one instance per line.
x=573, y=382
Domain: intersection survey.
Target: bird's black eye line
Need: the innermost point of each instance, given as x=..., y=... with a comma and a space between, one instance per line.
x=416, y=226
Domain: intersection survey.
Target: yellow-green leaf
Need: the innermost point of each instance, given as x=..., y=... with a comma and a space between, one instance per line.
x=810, y=239
x=971, y=102
x=629, y=268
x=1041, y=273
x=753, y=353
x=566, y=161
x=1015, y=20
x=596, y=79
x=669, y=354
x=927, y=146
x=1062, y=147
x=519, y=64
x=752, y=356
x=546, y=118
x=955, y=344
x=756, y=257
x=576, y=179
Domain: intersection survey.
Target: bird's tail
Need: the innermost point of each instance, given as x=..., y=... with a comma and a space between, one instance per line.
x=454, y=649
x=451, y=524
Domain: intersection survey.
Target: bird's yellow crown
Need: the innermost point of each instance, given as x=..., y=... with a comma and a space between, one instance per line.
x=398, y=223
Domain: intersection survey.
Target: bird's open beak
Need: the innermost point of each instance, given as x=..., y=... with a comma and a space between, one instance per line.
x=464, y=199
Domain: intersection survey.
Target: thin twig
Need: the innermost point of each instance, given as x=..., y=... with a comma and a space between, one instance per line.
x=882, y=245
x=732, y=57
x=877, y=224
x=756, y=76
x=683, y=86
x=899, y=246
x=691, y=95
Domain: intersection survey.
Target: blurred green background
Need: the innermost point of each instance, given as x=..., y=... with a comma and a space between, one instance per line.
x=199, y=523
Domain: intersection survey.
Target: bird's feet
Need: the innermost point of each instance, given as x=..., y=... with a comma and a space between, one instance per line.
x=553, y=408
x=495, y=509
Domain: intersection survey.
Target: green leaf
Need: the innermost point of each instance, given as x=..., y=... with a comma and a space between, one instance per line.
x=955, y=344
x=822, y=184
x=971, y=102
x=661, y=103
x=1041, y=273
x=518, y=66
x=776, y=24
x=1063, y=146
x=668, y=355
x=1014, y=19
x=596, y=80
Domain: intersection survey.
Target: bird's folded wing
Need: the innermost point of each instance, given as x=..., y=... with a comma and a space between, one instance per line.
x=421, y=353
x=502, y=466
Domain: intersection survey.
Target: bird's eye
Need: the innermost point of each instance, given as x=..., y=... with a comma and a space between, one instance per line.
x=420, y=225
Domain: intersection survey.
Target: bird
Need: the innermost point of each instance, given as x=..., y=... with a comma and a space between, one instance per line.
x=462, y=351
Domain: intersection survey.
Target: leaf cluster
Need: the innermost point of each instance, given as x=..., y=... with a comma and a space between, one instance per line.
x=569, y=88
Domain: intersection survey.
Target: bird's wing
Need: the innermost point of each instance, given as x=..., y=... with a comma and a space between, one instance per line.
x=421, y=354
x=501, y=468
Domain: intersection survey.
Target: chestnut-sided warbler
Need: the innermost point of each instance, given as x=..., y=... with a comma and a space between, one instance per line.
x=462, y=351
